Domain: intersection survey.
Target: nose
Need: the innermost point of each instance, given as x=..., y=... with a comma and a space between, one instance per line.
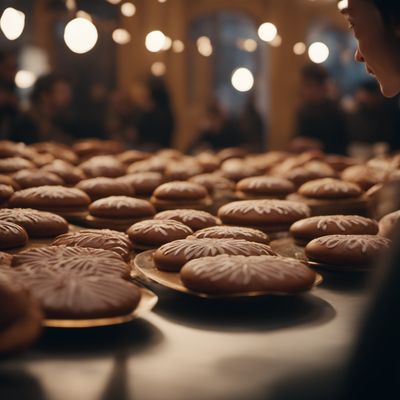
x=358, y=56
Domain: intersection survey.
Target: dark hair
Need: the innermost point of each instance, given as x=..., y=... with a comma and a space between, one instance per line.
x=315, y=73
x=45, y=84
x=390, y=10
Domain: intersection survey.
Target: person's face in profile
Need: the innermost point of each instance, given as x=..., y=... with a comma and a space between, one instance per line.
x=378, y=45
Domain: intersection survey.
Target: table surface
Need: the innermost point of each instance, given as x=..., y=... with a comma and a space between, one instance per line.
x=194, y=348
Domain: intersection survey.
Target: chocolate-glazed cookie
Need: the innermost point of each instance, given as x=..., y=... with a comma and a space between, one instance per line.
x=347, y=250
x=118, y=212
x=330, y=196
x=76, y=293
x=153, y=233
x=12, y=235
x=180, y=194
x=172, y=256
x=32, y=178
x=310, y=228
x=389, y=223
x=38, y=224
x=194, y=219
x=264, y=187
x=267, y=215
x=103, y=166
x=104, y=262
x=98, y=188
x=144, y=183
x=227, y=274
x=13, y=164
x=70, y=174
x=232, y=232
x=6, y=192
x=58, y=199
x=105, y=239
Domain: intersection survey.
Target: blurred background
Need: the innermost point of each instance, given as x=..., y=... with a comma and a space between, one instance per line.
x=189, y=74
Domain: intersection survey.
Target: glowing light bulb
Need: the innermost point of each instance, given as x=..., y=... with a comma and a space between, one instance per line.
x=158, y=68
x=167, y=43
x=121, y=36
x=204, y=46
x=12, y=23
x=178, y=46
x=318, y=52
x=25, y=79
x=299, y=48
x=128, y=9
x=267, y=31
x=155, y=41
x=342, y=4
x=242, y=79
x=80, y=35
x=114, y=1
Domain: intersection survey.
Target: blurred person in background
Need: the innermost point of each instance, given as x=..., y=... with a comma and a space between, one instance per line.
x=8, y=97
x=122, y=118
x=217, y=130
x=374, y=118
x=50, y=116
x=156, y=122
x=319, y=116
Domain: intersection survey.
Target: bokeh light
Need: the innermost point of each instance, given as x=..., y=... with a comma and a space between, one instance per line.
x=299, y=48
x=318, y=52
x=204, y=46
x=158, y=68
x=155, y=41
x=276, y=41
x=128, y=9
x=267, y=31
x=25, y=79
x=80, y=35
x=178, y=46
x=242, y=79
x=121, y=36
x=12, y=23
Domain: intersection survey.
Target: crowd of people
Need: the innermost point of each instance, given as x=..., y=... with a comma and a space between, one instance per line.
x=57, y=112
x=324, y=118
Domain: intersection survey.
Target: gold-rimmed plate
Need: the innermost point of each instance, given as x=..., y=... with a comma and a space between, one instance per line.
x=144, y=266
x=147, y=302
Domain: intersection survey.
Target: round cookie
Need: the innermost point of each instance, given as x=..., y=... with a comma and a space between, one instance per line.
x=389, y=224
x=329, y=196
x=264, y=187
x=6, y=192
x=103, y=166
x=153, y=233
x=180, y=194
x=105, y=239
x=267, y=215
x=98, y=188
x=232, y=232
x=32, y=178
x=144, y=183
x=346, y=250
x=310, y=228
x=118, y=212
x=172, y=256
x=215, y=184
x=362, y=175
x=70, y=174
x=58, y=199
x=237, y=169
x=130, y=156
x=12, y=235
x=8, y=181
x=38, y=224
x=57, y=258
x=20, y=315
x=194, y=219
x=76, y=293
x=227, y=274
x=10, y=165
